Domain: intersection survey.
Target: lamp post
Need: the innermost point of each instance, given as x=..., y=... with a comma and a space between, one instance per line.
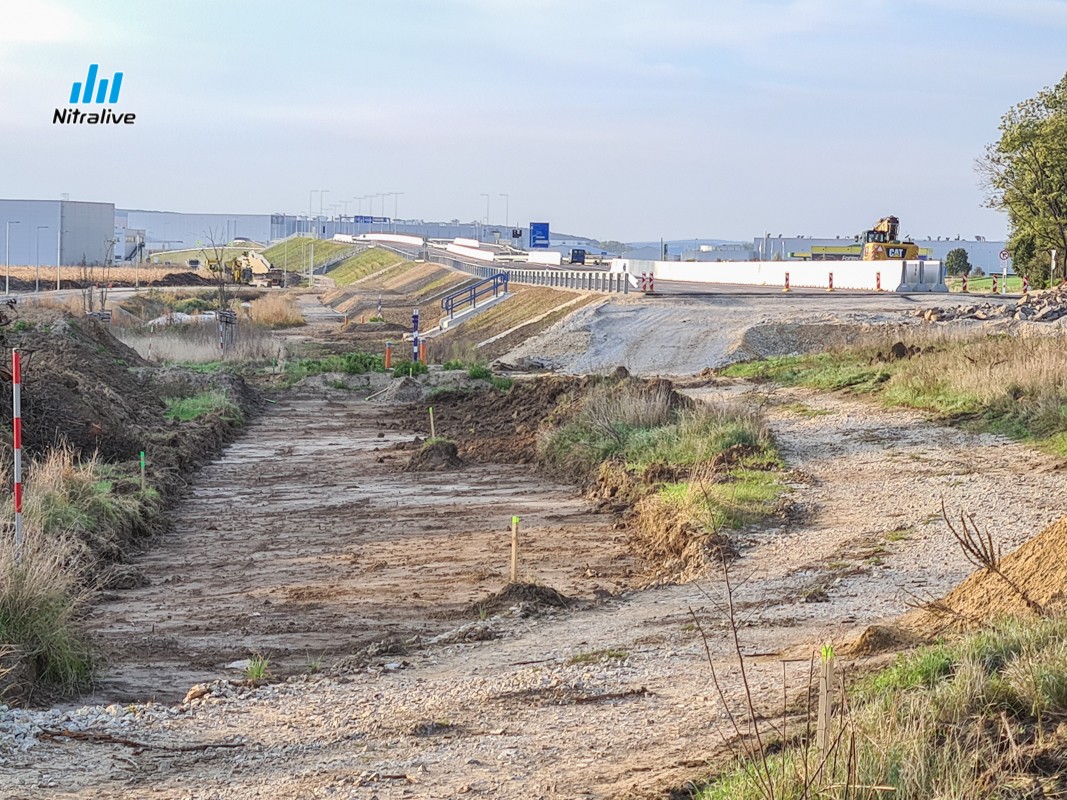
x=486, y=196
x=310, y=193
x=507, y=202
x=321, y=193
x=7, y=254
x=37, y=284
x=395, y=196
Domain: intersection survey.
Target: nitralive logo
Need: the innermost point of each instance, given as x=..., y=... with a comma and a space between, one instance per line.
x=84, y=93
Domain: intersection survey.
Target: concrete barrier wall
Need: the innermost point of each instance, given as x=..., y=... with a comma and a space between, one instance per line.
x=545, y=257
x=469, y=252
x=466, y=242
x=395, y=238
x=909, y=276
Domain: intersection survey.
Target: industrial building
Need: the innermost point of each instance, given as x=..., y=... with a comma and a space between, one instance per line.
x=51, y=232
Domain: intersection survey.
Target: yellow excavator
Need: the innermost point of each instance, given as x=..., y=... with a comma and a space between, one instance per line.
x=882, y=242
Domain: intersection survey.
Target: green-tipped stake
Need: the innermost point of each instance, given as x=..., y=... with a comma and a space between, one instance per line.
x=514, y=549
x=142, y=470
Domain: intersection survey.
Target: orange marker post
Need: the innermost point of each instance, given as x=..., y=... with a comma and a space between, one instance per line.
x=388, y=355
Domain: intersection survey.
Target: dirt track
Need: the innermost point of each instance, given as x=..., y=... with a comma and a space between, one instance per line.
x=306, y=542
x=610, y=701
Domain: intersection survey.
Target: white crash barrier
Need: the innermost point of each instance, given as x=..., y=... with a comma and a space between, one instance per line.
x=545, y=257
x=393, y=238
x=466, y=242
x=899, y=276
x=469, y=252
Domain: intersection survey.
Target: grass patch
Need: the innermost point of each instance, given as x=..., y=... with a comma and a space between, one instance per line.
x=276, y=310
x=598, y=657
x=76, y=514
x=293, y=254
x=408, y=368
x=185, y=409
x=980, y=716
x=355, y=363
x=1016, y=387
x=360, y=266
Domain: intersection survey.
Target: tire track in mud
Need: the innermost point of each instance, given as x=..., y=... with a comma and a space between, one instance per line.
x=305, y=542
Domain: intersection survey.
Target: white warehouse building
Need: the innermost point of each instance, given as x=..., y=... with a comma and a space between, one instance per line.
x=51, y=232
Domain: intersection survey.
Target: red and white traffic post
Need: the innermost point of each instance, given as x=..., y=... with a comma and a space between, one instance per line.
x=16, y=427
x=830, y=281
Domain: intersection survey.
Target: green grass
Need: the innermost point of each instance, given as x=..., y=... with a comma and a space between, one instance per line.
x=185, y=409
x=976, y=717
x=258, y=669
x=409, y=368
x=354, y=363
x=985, y=285
x=598, y=657
x=293, y=254
x=992, y=383
x=366, y=263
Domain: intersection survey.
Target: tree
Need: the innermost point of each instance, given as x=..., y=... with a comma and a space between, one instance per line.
x=215, y=256
x=1025, y=174
x=956, y=262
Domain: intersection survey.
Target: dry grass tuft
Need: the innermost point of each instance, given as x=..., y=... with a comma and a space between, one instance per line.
x=276, y=310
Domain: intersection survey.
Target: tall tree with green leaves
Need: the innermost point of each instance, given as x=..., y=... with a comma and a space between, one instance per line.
x=1025, y=173
x=956, y=262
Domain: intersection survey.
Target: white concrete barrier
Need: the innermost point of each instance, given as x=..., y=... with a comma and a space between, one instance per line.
x=469, y=252
x=393, y=238
x=466, y=242
x=545, y=257
x=902, y=276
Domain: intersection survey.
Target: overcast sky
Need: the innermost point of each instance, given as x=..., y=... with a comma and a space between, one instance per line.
x=618, y=120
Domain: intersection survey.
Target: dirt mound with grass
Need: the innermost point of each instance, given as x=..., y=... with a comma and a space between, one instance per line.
x=1033, y=577
x=402, y=390
x=490, y=426
x=532, y=596
x=435, y=456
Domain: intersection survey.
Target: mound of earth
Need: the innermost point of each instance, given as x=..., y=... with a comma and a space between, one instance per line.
x=531, y=595
x=1035, y=574
x=435, y=456
x=402, y=390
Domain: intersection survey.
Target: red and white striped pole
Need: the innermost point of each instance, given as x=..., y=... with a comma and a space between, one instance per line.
x=16, y=427
x=222, y=346
x=830, y=281
x=964, y=290
x=878, y=281
x=994, y=283
x=1026, y=285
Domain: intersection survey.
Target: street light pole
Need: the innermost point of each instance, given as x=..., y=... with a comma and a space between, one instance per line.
x=310, y=200
x=507, y=203
x=37, y=286
x=7, y=254
x=486, y=196
x=321, y=193
x=395, y=196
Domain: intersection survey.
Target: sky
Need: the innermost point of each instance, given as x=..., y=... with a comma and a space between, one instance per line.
x=616, y=120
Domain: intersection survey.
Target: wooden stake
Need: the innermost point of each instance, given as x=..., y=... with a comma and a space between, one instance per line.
x=514, y=549
x=433, y=431
x=826, y=683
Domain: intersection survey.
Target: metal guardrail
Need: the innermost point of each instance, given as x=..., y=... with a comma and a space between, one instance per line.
x=580, y=280
x=470, y=295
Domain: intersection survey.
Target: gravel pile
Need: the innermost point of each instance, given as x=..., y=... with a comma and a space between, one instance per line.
x=1048, y=305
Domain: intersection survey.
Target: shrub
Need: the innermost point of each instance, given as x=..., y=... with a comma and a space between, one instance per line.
x=276, y=310
x=185, y=409
x=410, y=368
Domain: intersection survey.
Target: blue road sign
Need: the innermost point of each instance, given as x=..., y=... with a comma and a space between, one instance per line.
x=538, y=234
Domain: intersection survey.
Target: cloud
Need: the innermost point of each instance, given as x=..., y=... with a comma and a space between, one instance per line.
x=33, y=23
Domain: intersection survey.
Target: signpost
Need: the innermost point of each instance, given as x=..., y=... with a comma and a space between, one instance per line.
x=1005, y=254
x=538, y=234
x=415, y=335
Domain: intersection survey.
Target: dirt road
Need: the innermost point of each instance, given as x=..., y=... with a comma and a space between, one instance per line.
x=610, y=701
x=307, y=542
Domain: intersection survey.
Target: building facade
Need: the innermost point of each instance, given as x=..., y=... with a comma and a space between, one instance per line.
x=50, y=232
